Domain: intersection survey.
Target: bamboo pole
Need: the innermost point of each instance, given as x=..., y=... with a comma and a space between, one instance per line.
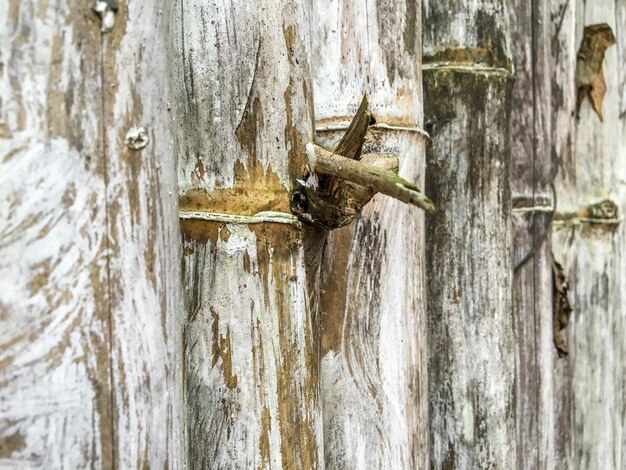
x=592, y=253
x=373, y=367
x=242, y=107
x=543, y=380
x=467, y=83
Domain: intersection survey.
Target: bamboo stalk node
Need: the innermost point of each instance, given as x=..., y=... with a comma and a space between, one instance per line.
x=341, y=182
x=258, y=218
x=601, y=213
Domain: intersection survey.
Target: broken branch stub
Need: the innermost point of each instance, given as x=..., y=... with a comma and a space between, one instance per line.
x=342, y=182
x=371, y=176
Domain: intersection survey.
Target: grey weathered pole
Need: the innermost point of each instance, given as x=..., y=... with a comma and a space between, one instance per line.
x=541, y=137
x=467, y=84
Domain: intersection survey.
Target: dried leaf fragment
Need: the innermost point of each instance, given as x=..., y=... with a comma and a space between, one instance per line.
x=562, y=307
x=589, y=72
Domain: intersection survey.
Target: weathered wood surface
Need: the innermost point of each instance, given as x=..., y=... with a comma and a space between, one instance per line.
x=542, y=381
x=88, y=352
x=592, y=254
x=372, y=298
x=471, y=342
x=243, y=114
x=144, y=266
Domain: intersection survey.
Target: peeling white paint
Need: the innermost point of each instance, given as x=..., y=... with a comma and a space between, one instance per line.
x=106, y=9
x=247, y=309
x=87, y=346
x=136, y=138
x=228, y=75
x=242, y=107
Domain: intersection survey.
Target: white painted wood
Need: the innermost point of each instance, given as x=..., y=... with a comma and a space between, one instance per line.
x=243, y=114
x=54, y=332
x=373, y=368
x=89, y=341
x=144, y=268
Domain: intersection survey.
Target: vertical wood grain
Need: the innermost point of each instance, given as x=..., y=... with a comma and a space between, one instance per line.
x=89, y=342
x=471, y=342
x=243, y=113
x=542, y=392
x=592, y=256
x=142, y=213
x=55, y=406
x=373, y=368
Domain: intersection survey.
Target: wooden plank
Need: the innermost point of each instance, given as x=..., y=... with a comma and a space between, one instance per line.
x=373, y=368
x=243, y=114
x=142, y=213
x=55, y=408
x=467, y=83
x=90, y=338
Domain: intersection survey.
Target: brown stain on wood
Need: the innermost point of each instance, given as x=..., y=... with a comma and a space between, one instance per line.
x=277, y=247
x=40, y=279
x=224, y=234
x=289, y=32
x=334, y=296
x=293, y=138
x=255, y=190
x=264, y=440
x=200, y=231
x=221, y=350
x=11, y=444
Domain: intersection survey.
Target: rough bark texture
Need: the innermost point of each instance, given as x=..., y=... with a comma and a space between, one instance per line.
x=592, y=254
x=88, y=354
x=471, y=342
x=243, y=108
x=542, y=390
x=373, y=324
